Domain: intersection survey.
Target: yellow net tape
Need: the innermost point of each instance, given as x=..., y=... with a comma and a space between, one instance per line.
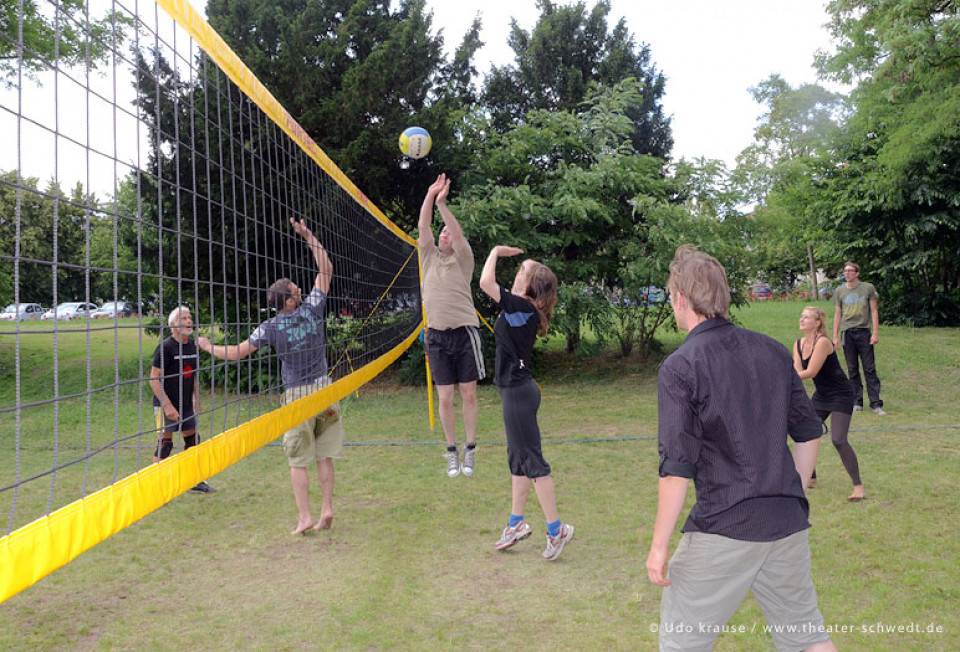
x=36, y=550
x=228, y=61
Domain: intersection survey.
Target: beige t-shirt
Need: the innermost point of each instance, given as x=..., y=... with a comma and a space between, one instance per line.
x=446, y=288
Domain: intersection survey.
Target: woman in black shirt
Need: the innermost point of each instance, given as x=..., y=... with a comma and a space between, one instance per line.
x=525, y=312
x=814, y=357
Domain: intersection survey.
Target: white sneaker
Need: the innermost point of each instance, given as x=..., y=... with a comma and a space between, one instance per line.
x=880, y=411
x=511, y=535
x=858, y=408
x=555, y=544
x=468, y=460
x=453, y=463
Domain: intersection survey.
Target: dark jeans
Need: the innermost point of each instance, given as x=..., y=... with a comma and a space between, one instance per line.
x=856, y=344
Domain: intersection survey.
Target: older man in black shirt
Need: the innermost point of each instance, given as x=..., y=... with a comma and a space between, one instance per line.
x=728, y=399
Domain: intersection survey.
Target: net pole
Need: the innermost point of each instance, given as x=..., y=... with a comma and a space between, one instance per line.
x=426, y=358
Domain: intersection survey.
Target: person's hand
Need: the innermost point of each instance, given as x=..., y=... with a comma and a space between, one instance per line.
x=504, y=250
x=836, y=342
x=301, y=228
x=171, y=412
x=444, y=191
x=437, y=186
x=874, y=338
x=657, y=566
x=203, y=343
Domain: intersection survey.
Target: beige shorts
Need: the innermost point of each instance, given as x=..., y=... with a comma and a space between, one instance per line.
x=318, y=437
x=710, y=576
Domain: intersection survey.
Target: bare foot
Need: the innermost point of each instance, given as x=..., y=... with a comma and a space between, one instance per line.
x=858, y=494
x=302, y=527
x=326, y=520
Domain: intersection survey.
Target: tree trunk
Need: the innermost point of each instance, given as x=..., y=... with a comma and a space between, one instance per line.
x=813, y=274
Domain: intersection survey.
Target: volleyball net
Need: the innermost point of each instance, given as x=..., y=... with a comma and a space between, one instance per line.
x=143, y=168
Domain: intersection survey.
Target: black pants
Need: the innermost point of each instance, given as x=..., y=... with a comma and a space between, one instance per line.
x=857, y=349
x=524, y=455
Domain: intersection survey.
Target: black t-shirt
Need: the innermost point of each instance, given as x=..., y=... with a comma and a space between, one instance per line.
x=179, y=363
x=515, y=331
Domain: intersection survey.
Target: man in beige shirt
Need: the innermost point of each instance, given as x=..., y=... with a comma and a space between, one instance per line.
x=452, y=339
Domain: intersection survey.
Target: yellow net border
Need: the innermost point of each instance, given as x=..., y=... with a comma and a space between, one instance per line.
x=36, y=550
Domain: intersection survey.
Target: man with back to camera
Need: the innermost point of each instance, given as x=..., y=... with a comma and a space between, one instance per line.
x=855, y=314
x=727, y=400
x=298, y=334
x=176, y=394
x=452, y=340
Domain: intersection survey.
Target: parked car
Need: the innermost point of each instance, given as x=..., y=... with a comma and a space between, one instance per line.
x=652, y=295
x=22, y=312
x=71, y=310
x=115, y=310
x=760, y=292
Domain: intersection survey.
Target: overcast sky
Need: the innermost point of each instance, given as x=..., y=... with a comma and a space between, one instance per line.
x=710, y=51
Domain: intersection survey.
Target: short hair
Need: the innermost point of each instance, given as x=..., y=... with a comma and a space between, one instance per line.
x=853, y=265
x=542, y=292
x=278, y=293
x=175, y=315
x=702, y=280
x=821, y=317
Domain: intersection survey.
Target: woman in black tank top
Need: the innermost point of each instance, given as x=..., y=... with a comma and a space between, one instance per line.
x=814, y=357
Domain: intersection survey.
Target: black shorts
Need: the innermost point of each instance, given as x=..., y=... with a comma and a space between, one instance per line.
x=455, y=355
x=187, y=422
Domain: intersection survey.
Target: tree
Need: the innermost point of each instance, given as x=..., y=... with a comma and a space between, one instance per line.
x=354, y=74
x=798, y=125
x=66, y=38
x=890, y=188
x=570, y=190
x=556, y=63
x=50, y=242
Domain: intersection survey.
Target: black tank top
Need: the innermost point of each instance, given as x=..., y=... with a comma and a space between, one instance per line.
x=833, y=391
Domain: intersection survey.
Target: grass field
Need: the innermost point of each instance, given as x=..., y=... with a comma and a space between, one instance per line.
x=409, y=562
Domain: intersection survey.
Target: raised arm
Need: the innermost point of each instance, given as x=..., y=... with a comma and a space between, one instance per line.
x=226, y=352
x=324, y=266
x=425, y=223
x=488, y=277
x=457, y=239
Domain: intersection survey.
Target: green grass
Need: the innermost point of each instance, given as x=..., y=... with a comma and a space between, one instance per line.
x=409, y=563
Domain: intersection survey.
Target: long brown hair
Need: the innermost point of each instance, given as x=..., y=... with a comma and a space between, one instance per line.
x=542, y=292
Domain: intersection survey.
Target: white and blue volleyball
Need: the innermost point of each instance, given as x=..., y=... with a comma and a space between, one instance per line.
x=415, y=142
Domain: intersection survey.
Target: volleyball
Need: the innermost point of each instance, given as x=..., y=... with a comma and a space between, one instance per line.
x=415, y=142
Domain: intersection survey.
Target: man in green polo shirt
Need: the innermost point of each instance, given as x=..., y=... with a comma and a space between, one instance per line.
x=855, y=316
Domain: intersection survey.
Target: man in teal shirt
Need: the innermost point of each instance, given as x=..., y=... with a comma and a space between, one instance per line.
x=855, y=316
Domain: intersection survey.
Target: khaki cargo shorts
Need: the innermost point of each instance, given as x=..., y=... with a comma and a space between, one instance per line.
x=318, y=437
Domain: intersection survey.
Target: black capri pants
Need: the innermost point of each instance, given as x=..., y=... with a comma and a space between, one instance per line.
x=520, y=405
